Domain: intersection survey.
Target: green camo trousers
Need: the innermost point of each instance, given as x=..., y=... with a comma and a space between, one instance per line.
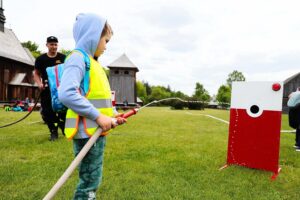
x=90, y=169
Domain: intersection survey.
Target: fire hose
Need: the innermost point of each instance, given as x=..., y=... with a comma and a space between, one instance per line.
x=12, y=123
x=79, y=157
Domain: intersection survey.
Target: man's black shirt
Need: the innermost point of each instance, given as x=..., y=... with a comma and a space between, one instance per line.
x=44, y=61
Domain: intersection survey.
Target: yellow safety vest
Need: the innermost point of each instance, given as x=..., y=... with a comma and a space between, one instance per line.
x=99, y=94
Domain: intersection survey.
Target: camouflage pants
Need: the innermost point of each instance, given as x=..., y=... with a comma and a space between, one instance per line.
x=90, y=169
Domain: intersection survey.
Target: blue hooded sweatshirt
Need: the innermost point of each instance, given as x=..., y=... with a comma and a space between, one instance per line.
x=86, y=32
x=294, y=99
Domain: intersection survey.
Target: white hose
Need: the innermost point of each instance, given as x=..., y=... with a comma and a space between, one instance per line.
x=73, y=165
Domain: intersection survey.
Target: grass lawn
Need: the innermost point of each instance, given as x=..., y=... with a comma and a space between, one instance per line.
x=159, y=154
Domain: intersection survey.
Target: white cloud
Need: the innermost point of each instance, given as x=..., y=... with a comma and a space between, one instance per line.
x=177, y=42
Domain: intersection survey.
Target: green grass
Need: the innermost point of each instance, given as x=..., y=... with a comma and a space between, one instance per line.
x=159, y=154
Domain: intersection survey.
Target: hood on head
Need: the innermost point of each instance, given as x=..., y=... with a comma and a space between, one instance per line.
x=87, y=30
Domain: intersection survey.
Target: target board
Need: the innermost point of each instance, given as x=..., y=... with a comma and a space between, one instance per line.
x=255, y=123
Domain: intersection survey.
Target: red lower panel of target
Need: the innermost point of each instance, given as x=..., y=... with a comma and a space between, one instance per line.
x=254, y=141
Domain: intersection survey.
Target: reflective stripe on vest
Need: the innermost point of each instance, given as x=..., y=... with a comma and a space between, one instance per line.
x=72, y=123
x=99, y=95
x=101, y=103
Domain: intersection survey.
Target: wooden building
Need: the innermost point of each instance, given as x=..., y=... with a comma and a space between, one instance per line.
x=122, y=79
x=16, y=66
x=290, y=85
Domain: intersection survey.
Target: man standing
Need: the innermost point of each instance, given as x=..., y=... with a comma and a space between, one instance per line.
x=49, y=59
x=294, y=115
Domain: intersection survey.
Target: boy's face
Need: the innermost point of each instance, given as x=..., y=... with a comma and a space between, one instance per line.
x=102, y=44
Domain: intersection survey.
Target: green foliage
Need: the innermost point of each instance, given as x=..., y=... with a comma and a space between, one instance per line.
x=179, y=95
x=195, y=104
x=65, y=51
x=141, y=90
x=224, y=95
x=159, y=154
x=178, y=105
x=201, y=94
x=168, y=89
x=35, y=54
x=33, y=48
x=235, y=76
x=150, y=93
x=159, y=92
x=148, y=88
x=106, y=72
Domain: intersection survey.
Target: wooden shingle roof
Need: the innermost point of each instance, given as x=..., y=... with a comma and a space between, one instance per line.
x=122, y=62
x=11, y=48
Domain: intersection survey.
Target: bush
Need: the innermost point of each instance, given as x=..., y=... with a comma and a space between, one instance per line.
x=195, y=105
x=178, y=105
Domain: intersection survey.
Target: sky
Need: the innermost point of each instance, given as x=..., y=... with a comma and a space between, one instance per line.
x=178, y=42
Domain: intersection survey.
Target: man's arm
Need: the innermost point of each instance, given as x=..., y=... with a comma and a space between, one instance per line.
x=37, y=74
x=37, y=79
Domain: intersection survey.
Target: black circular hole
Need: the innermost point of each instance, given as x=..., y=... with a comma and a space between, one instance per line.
x=254, y=109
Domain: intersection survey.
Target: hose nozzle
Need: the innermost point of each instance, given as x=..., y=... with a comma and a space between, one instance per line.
x=130, y=113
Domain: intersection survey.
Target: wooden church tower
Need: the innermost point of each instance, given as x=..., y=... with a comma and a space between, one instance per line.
x=122, y=79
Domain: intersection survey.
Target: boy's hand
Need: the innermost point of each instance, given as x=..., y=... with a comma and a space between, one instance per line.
x=114, y=122
x=119, y=115
x=120, y=119
x=104, y=122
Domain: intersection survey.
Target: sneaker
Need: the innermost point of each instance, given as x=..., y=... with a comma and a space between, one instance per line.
x=53, y=135
x=296, y=146
x=298, y=149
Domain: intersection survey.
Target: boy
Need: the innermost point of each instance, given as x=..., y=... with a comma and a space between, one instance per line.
x=88, y=107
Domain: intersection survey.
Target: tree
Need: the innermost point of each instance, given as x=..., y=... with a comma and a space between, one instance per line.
x=235, y=76
x=168, y=89
x=148, y=88
x=201, y=93
x=33, y=48
x=149, y=93
x=159, y=92
x=106, y=72
x=179, y=94
x=65, y=51
x=224, y=95
x=141, y=91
